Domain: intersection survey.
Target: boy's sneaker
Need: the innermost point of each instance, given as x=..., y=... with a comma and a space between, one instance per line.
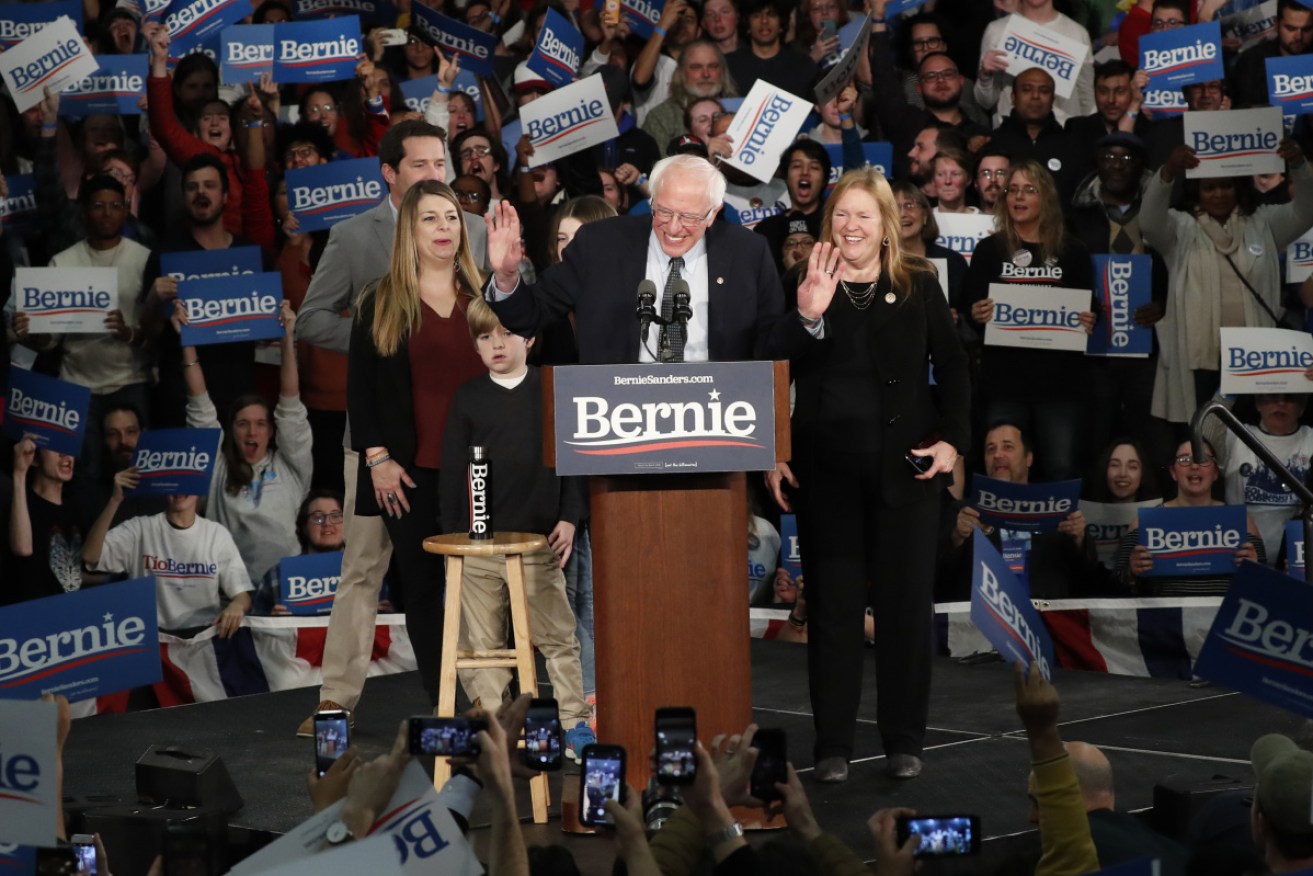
x=577, y=739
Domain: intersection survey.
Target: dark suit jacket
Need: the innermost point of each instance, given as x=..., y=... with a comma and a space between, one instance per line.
x=598, y=282
x=379, y=402
x=903, y=337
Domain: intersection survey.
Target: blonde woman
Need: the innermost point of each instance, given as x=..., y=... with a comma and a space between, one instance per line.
x=410, y=350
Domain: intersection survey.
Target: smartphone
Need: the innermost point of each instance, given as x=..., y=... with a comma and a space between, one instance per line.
x=84, y=846
x=542, y=736
x=446, y=737
x=601, y=778
x=186, y=850
x=772, y=763
x=393, y=36
x=676, y=746
x=829, y=28
x=942, y=835
x=922, y=464
x=332, y=738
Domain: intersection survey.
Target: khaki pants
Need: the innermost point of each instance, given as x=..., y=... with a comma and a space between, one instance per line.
x=350, y=639
x=485, y=625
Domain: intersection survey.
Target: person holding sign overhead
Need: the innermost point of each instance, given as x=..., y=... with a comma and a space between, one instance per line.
x=1223, y=268
x=866, y=476
x=1033, y=387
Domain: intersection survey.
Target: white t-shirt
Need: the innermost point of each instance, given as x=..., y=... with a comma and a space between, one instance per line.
x=193, y=568
x=1250, y=483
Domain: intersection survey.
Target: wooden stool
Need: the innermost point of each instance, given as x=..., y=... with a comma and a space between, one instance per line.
x=455, y=547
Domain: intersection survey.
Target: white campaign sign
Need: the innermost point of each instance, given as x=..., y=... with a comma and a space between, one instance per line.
x=1266, y=360
x=1037, y=317
x=842, y=71
x=66, y=300
x=1235, y=142
x=1299, y=258
x=960, y=232
x=1031, y=45
x=29, y=798
x=1107, y=522
x=53, y=57
x=764, y=125
x=1252, y=26
x=568, y=120
x=941, y=267
x=376, y=856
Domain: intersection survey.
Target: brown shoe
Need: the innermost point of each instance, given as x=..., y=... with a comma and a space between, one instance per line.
x=307, y=728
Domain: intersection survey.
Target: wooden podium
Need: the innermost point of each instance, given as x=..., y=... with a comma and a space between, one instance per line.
x=670, y=592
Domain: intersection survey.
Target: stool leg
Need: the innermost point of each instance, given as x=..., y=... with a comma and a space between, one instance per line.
x=538, y=790
x=447, y=669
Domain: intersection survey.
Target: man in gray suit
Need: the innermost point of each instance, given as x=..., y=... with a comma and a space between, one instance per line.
x=359, y=251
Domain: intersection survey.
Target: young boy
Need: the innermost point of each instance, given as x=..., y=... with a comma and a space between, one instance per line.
x=503, y=413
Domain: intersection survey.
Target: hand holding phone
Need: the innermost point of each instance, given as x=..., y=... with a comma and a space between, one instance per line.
x=772, y=765
x=332, y=738
x=84, y=846
x=542, y=736
x=601, y=778
x=676, y=746
x=446, y=737
x=941, y=835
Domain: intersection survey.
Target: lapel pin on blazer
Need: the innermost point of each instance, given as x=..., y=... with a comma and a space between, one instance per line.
x=720, y=281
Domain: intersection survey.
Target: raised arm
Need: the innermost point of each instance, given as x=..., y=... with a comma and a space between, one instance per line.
x=20, y=521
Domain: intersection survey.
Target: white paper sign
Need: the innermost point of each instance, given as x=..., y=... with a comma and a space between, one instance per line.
x=66, y=300
x=1265, y=360
x=1235, y=142
x=1299, y=258
x=764, y=125
x=1030, y=45
x=1037, y=317
x=960, y=232
x=1107, y=522
x=568, y=120
x=1253, y=26
x=941, y=267
x=53, y=57
x=29, y=798
x=376, y=856
x=842, y=71
x=425, y=838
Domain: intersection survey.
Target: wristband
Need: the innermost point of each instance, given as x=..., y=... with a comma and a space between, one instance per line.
x=1132, y=113
x=642, y=180
x=49, y=126
x=656, y=28
x=845, y=117
x=442, y=89
x=376, y=461
x=259, y=124
x=878, y=21
x=810, y=323
x=496, y=19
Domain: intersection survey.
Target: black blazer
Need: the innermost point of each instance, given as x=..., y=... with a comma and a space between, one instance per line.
x=904, y=336
x=378, y=400
x=598, y=282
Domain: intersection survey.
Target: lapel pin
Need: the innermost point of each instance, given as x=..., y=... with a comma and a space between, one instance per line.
x=720, y=281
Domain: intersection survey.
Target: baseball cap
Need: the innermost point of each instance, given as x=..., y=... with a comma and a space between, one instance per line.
x=1285, y=783
x=1124, y=139
x=527, y=80
x=687, y=144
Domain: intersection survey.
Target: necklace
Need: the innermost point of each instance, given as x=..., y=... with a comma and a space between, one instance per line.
x=861, y=298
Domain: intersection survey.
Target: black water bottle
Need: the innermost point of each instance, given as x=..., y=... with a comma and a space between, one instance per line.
x=479, y=481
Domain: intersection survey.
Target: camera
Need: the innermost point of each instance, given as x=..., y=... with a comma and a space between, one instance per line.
x=659, y=803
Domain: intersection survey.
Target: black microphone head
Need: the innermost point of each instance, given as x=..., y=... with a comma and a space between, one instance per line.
x=647, y=292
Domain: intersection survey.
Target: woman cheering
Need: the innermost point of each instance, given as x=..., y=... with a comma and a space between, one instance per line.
x=410, y=350
x=871, y=437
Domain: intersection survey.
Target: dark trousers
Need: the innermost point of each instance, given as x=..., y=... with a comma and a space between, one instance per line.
x=327, y=428
x=854, y=546
x=422, y=574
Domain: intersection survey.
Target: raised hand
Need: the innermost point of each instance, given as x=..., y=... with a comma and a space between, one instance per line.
x=505, y=248
x=824, y=271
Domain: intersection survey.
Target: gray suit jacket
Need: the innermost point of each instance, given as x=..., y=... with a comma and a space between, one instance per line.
x=359, y=251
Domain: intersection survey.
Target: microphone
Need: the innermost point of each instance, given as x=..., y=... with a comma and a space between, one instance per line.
x=646, y=310
x=681, y=311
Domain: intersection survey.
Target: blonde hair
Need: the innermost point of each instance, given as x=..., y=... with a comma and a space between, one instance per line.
x=397, y=307
x=480, y=318
x=1051, y=228
x=898, y=265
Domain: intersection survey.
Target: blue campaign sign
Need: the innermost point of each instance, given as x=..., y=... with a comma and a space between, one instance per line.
x=18, y=211
x=641, y=15
x=13, y=857
x=115, y=89
x=1024, y=507
x=207, y=264
x=417, y=92
x=474, y=47
x=18, y=21
x=1001, y=609
x=1290, y=84
x=790, y=555
x=879, y=155
x=324, y=195
x=308, y=583
x=372, y=11
x=559, y=51
x=1182, y=56
x=1258, y=643
x=83, y=644
x=52, y=411
x=316, y=51
x=246, y=51
x=1122, y=283
x=1295, y=549
x=901, y=7
x=201, y=21
x=1193, y=541
x=175, y=462
x=226, y=310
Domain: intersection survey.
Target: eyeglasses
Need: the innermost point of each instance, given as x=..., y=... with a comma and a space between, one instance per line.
x=469, y=197
x=1013, y=191
x=322, y=519
x=1188, y=460
x=928, y=43
x=1125, y=160
x=666, y=215
x=942, y=75
x=472, y=151
x=321, y=108
x=1166, y=23
x=301, y=153
x=993, y=174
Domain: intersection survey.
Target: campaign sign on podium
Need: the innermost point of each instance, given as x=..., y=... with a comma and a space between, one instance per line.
x=665, y=419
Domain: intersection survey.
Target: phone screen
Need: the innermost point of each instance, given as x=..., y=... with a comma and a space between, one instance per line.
x=943, y=835
x=603, y=777
x=772, y=763
x=332, y=738
x=676, y=746
x=446, y=737
x=542, y=736
x=86, y=853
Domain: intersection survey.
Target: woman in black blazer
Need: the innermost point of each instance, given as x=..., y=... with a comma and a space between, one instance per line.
x=410, y=349
x=866, y=517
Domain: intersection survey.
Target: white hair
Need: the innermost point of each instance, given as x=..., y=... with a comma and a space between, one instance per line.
x=695, y=165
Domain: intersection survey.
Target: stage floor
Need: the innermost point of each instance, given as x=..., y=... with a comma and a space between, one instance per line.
x=976, y=759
